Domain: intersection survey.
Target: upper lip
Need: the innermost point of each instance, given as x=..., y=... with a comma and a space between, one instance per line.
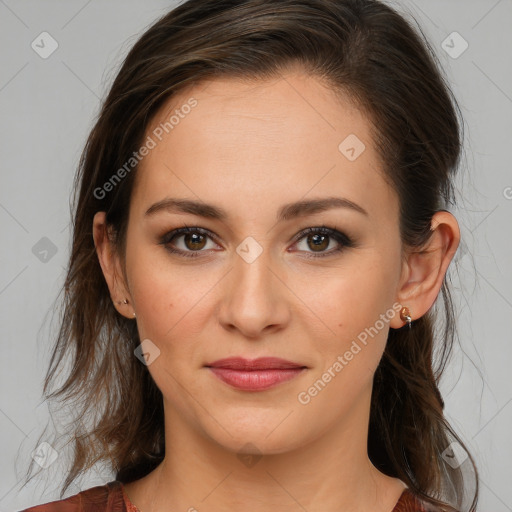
x=262, y=363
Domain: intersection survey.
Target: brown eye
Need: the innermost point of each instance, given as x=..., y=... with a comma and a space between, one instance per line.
x=188, y=242
x=317, y=240
x=194, y=241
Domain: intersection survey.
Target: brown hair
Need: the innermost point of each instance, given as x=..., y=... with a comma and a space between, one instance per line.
x=362, y=48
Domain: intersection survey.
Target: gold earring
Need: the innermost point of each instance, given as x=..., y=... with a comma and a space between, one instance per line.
x=405, y=316
x=125, y=301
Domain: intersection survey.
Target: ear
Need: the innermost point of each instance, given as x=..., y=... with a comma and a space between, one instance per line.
x=111, y=265
x=423, y=271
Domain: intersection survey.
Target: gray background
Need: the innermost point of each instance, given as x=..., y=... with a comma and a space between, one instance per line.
x=48, y=106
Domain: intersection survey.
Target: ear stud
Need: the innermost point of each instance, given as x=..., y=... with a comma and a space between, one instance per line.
x=405, y=316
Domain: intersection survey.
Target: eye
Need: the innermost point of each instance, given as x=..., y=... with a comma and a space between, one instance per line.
x=319, y=239
x=193, y=241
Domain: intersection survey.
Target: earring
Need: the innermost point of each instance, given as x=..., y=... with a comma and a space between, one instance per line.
x=125, y=301
x=405, y=316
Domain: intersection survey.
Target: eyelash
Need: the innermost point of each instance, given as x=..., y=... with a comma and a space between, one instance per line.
x=341, y=238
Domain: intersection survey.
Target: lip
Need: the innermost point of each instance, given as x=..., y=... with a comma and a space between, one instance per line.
x=261, y=363
x=255, y=374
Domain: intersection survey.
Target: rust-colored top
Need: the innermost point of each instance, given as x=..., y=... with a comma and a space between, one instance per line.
x=111, y=497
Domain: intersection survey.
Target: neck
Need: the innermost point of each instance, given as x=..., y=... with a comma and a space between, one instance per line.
x=331, y=473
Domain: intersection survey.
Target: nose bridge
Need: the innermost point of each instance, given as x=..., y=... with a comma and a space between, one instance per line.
x=252, y=274
x=255, y=299
x=252, y=266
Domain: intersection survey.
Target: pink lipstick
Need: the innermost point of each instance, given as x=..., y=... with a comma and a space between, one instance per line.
x=256, y=374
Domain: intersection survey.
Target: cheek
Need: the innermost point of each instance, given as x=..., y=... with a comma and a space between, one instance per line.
x=167, y=306
x=171, y=301
x=356, y=306
x=352, y=298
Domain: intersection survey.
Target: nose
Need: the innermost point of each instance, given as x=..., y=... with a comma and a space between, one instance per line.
x=254, y=298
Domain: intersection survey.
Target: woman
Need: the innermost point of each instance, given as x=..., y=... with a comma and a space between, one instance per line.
x=260, y=236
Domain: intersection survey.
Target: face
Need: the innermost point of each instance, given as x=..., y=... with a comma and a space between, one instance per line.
x=248, y=280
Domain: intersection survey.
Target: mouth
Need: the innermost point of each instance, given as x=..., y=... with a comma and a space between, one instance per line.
x=256, y=374
x=262, y=363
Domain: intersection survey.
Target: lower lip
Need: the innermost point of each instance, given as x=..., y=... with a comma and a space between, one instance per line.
x=255, y=380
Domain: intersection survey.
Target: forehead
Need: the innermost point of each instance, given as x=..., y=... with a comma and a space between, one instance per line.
x=249, y=141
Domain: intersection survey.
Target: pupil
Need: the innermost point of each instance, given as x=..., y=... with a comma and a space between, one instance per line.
x=319, y=243
x=195, y=239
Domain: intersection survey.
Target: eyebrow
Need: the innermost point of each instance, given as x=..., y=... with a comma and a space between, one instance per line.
x=286, y=212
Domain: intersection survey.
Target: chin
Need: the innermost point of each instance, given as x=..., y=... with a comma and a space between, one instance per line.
x=254, y=436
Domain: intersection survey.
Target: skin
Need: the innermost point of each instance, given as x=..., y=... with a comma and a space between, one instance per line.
x=250, y=148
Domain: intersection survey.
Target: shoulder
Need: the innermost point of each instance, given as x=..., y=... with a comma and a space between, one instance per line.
x=102, y=498
x=410, y=502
